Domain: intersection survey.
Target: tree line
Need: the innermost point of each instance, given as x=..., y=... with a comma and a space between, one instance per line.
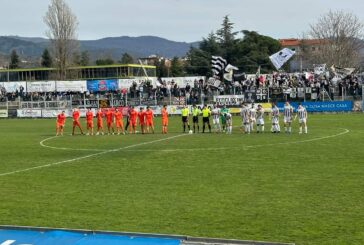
x=340, y=37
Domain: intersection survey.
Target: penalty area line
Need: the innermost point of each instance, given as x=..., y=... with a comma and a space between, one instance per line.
x=89, y=156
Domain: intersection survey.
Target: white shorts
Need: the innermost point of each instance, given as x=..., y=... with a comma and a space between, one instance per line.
x=252, y=120
x=216, y=120
x=275, y=120
x=302, y=120
x=245, y=122
x=287, y=119
x=260, y=121
x=229, y=122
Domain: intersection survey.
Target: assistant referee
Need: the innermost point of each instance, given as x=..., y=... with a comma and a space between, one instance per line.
x=185, y=114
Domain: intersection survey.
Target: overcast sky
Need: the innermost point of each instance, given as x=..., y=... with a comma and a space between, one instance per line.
x=179, y=20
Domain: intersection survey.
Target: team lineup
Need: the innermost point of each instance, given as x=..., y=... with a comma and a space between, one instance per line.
x=222, y=120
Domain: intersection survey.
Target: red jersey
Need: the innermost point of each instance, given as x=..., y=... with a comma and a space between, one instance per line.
x=164, y=114
x=61, y=118
x=99, y=116
x=149, y=115
x=76, y=115
x=133, y=115
x=118, y=115
x=141, y=116
x=89, y=116
x=109, y=115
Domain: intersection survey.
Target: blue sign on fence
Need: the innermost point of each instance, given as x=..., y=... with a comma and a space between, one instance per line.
x=102, y=85
x=57, y=237
x=330, y=106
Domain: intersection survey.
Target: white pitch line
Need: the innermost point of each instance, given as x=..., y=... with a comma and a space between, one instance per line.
x=65, y=148
x=89, y=156
x=247, y=146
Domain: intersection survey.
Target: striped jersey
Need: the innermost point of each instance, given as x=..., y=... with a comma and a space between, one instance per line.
x=244, y=112
x=275, y=112
x=260, y=114
x=301, y=112
x=252, y=113
x=215, y=113
x=288, y=111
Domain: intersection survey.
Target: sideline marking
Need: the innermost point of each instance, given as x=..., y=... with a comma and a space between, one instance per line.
x=90, y=155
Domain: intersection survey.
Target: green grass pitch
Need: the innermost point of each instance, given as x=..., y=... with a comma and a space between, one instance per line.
x=306, y=189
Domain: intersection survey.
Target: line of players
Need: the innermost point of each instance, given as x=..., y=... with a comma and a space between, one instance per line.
x=145, y=118
x=251, y=116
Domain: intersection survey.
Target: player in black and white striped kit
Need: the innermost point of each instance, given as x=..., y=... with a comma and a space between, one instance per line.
x=260, y=119
x=252, y=117
x=244, y=113
x=302, y=117
x=288, y=116
x=275, y=119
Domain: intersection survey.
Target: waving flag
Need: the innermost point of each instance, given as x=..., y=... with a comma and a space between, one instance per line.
x=280, y=58
x=218, y=64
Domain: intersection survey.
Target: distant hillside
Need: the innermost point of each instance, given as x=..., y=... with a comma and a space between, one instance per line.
x=111, y=46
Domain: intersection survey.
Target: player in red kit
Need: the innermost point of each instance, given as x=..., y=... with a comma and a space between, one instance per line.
x=164, y=119
x=109, y=120
x=61, y=120
x=119, y=121
x=100, y=126
x=141, y=118
x=149, y=119
x=90, y=122
x=76, y=121
x=133, y=119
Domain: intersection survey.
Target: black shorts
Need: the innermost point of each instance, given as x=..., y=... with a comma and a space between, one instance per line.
x=206, y=120
x=195, y=119
x=184, y=119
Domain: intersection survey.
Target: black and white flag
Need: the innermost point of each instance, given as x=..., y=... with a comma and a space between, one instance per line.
x=280, y=58
x=218, y=64
x=319, y=69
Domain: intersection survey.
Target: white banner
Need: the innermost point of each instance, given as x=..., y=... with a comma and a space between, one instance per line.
x=127, y=83
x=280, y=58
x=182, y=81
x=43, y=86
x=4, y=114
x=68, y=113
x=319, y=69
x=11, y=87
x=213, y=82
x=229, y=100
x=29, y=113
x=71, y=86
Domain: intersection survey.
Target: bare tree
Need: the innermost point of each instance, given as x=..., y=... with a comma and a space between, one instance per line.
x=62, y=25
x=339, y=35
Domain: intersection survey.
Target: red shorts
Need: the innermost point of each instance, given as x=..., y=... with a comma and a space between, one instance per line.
x=133, y=123
x=90, y=124
x=76, y=123
x=150, y=123
x=165, y=122
x=99, y=124
x=109, y=124
x=58, y=125
x=119, y=124
x=141, y=123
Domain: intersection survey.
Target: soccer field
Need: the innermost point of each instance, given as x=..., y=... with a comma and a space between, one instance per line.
x=306, y=189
